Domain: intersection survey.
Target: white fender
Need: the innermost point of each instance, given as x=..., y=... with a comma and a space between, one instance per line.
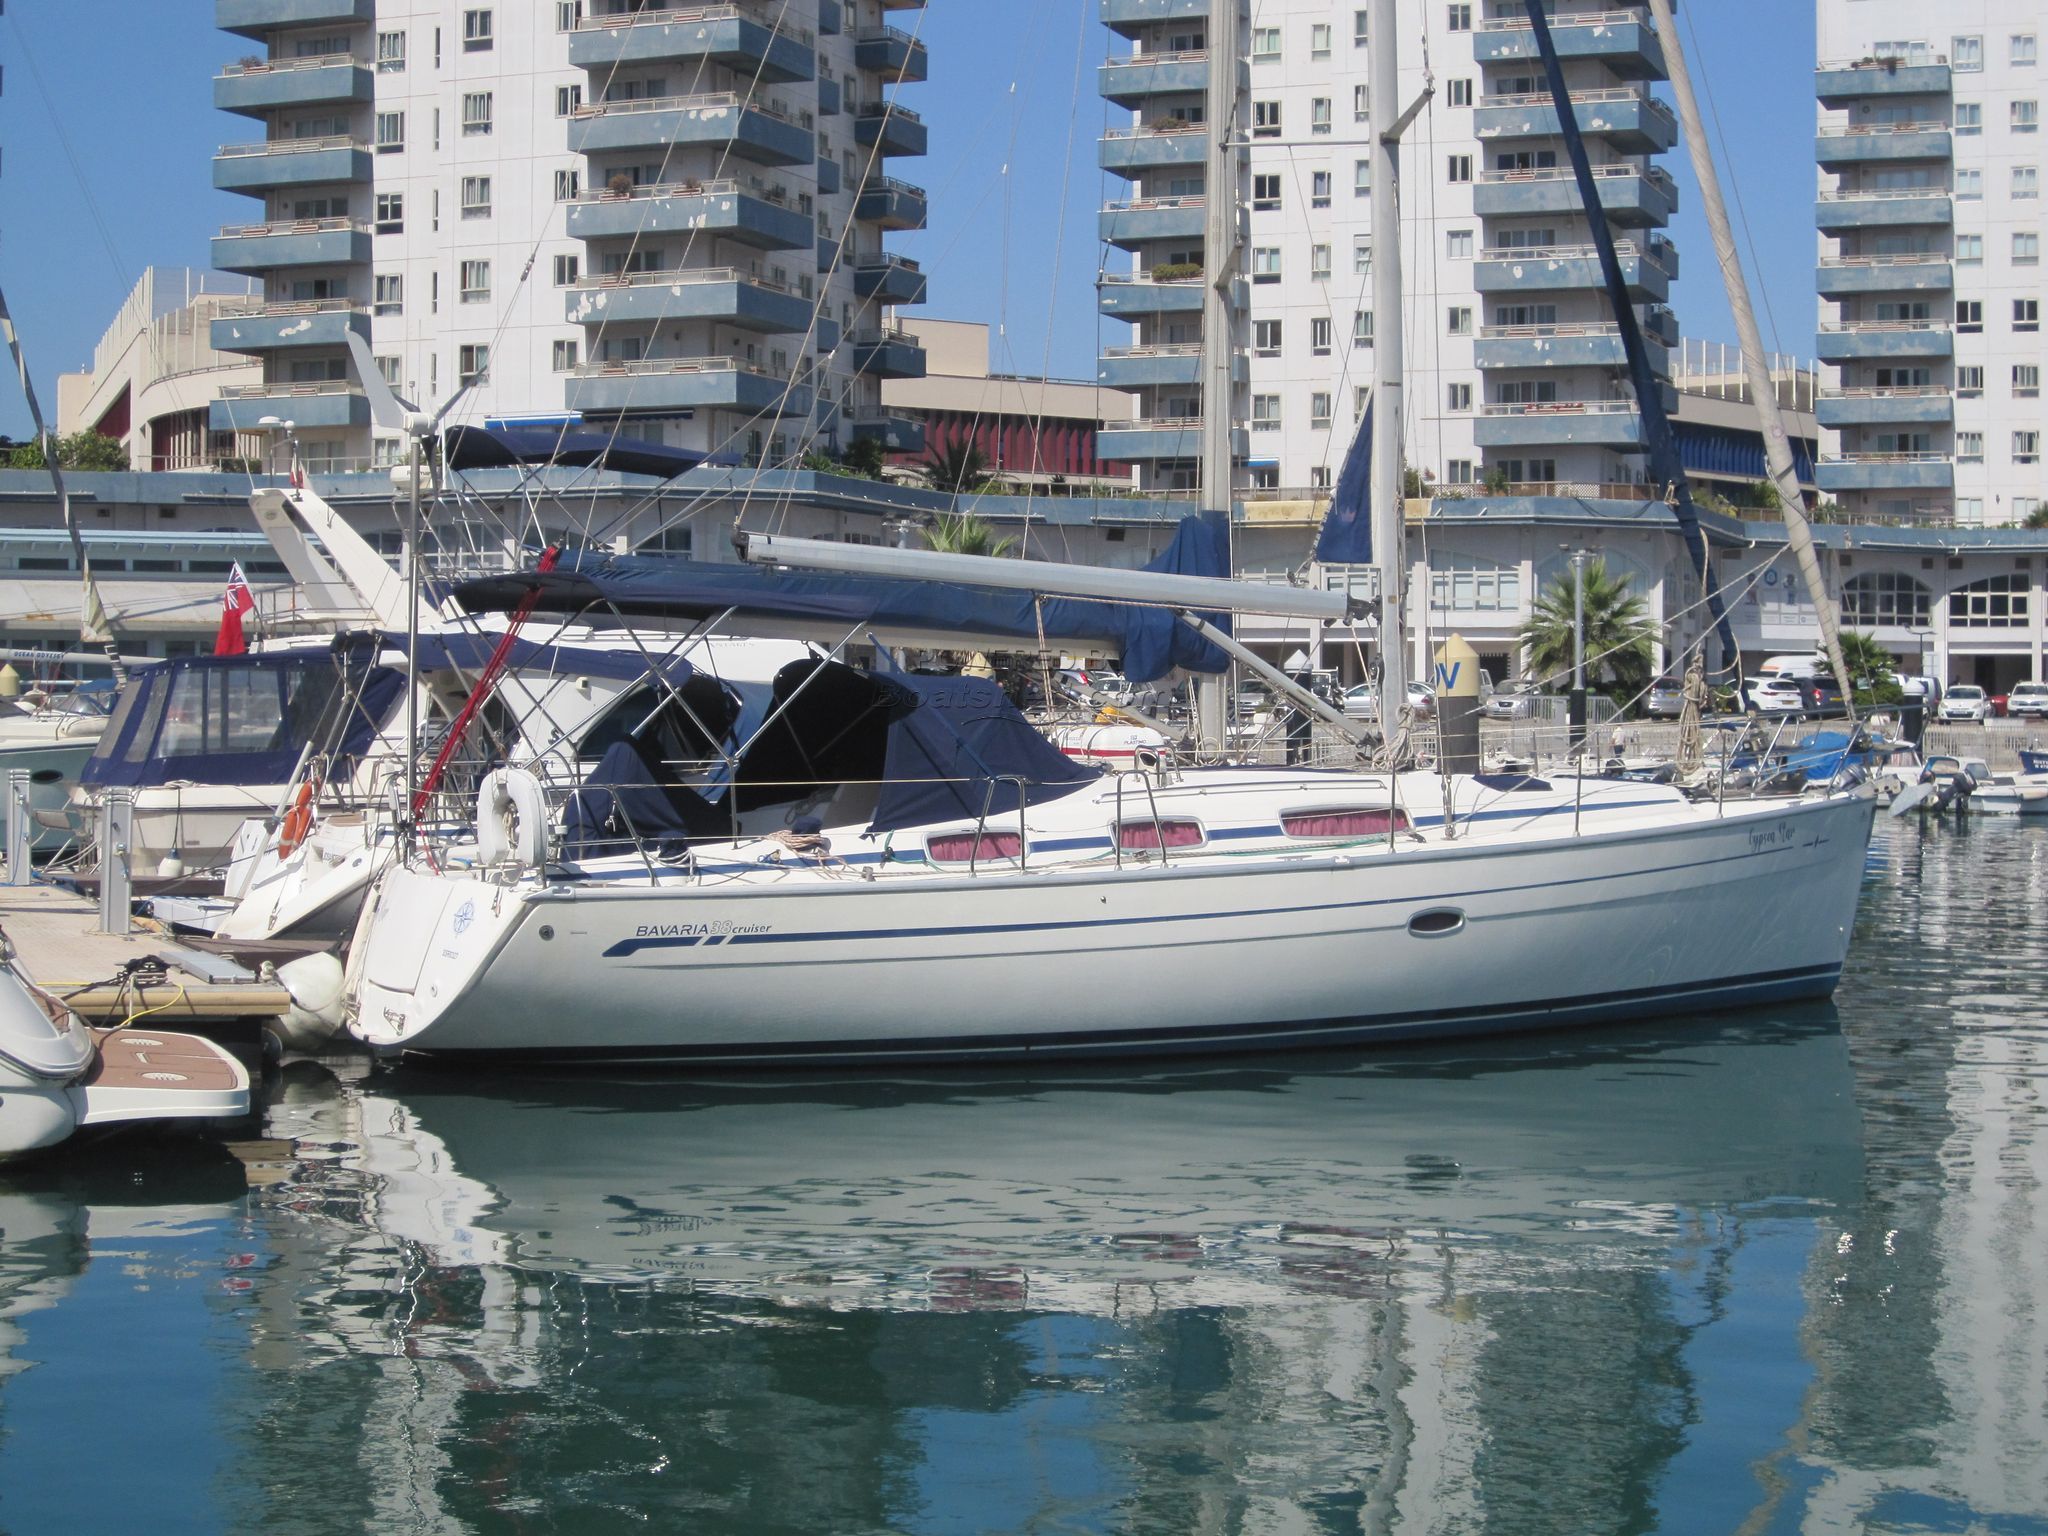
x=511, y=819
x=315, y=984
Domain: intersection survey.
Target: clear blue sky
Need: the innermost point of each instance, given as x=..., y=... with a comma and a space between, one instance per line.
x=1013, y=116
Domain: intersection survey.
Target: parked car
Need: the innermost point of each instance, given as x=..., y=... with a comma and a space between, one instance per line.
x=1362, y=702
x=1516, y=702
x=1966, y=701
x=1773, y=695
x=1665, y=700
x=2028, y=701
x=1998, y=705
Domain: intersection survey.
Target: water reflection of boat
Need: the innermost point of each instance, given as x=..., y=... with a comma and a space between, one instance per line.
x=1065, y=1190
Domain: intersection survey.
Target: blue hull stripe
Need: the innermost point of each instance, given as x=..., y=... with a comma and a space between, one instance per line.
x=1608, y=1007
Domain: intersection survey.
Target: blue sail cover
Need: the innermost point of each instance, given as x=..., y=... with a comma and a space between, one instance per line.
x=1346, y=538
x=1156, y=643
x=952, y=746
x=499, y=447
x=244, y=719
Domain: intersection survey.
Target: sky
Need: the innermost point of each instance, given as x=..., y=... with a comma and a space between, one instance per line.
x=107, y=132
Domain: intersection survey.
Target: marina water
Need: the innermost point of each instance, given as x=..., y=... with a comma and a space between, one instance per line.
x=1775, y=1271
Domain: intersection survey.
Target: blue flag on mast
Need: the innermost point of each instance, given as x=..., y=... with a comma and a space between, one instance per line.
x=1346, y=538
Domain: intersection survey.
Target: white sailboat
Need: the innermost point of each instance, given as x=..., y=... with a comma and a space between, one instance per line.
x=954, y=896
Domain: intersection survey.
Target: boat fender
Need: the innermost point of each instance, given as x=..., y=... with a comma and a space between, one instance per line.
x=298, y=821
x=511, y=819
x=317, y=986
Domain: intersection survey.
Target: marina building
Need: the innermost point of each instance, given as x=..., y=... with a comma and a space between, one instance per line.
x=1516, y=372
x=1930, y=224
x=670, y=219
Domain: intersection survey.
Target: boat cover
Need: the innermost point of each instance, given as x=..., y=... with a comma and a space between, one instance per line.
x=1149, y=639
x=244, y=719
x=1346, y=535
x=470, y=652
x=498, y=447
x=958, y=747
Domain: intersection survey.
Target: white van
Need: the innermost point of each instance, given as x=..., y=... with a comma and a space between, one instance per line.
x=1795, y=667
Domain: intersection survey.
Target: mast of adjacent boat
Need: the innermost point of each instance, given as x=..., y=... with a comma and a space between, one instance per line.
x=1762, y=390
x=1223, y=246
x=1389, y=529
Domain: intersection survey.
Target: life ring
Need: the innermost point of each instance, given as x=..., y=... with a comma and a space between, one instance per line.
x=511, y=819
x=298, y=821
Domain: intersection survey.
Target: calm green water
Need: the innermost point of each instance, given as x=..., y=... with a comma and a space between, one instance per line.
x=1776, y=1272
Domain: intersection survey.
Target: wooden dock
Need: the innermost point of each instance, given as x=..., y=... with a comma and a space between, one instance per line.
x=110, y=978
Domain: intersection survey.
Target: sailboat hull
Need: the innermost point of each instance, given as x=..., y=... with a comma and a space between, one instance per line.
x=1447, y=939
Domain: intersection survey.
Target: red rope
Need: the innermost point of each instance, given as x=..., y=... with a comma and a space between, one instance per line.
x=486, y=684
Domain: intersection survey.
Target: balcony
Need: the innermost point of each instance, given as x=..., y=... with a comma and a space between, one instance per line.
x=1560, y=424
x=892, y=53
x=1128, y=151
x=258, y=248
x=1130, y=18
x=891, y=279
x=281, y=163
x=1629, y=194
x=723, y=294
x=1631, y=120
x=1885, y=472
x=750, y=212
x=1594, y=344
x=1153, y=218
x=1882, y=208
x=258, y=18
x=272, y=327
x=1622, y=40
x=1840, y=85
x=757, y=131
x=729, y=35
x=1124, y=297
x=1138, y=367
x=328, y=403
x=897, y=434
x=1842, y=277
x=1882, y=144
x=1646, y=268
x=828, y=174
x=256, y=89
x=896, y=130
x=1926, y=405
x=1130, y=82
x=890, y=203
x=1151, y=439
x=828, y=98
x=1855, y=341
x=657, y=385
x=887, y=354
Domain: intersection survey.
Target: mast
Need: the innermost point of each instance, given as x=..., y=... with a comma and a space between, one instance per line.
x=1222, y=252
x=1389, y=542
x=1777, y=446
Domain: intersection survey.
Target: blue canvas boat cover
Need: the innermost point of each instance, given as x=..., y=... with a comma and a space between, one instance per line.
x=1150, y=640
x=957, y=747
x=499, y=447
x=245, y=719
x=1346, y=536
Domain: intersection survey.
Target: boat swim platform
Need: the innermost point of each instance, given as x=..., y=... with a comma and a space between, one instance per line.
x=108, y=978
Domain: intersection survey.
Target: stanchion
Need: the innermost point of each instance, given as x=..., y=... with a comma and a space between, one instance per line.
x=116, y=839
x=20, y=827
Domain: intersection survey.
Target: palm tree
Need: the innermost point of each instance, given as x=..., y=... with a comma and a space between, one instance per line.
x=1865, y=658
x=1620, y=640
x=958, y=467
x=962, y=533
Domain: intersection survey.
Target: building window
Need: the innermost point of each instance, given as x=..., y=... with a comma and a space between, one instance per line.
x=1458, y=245
x=1361, y=328
x=1361, y=255
x=568, y=185
x=567, y=14
x=1969, y=248
x=1459, y=17
x=567, y=99
x=1969, y=118
x=2023, y=50
x=1458, y=168
x=1458, y=93
x=1266, y=338
x=1265, y=413
x=474, y=361
x=1319, y=115
x=2026, y=249
x=1265, y=263
x=1319, y=262
x=1319, y=40
x=1265, y=119
x=1458, y=322
x=565, y=357
x=1460, y=472
x=476, y=282
x=2026, y=380
x=1265, y=44
x=390, y=132
x=2026, y=181
x=1457, y=397
x=388, y=294
x=433, y=293
x=1970, y=447
x=1990, y=602
x=476, y=112
x=1967, y=53
x=390, y=53
x=1969, y=185
x=1970, y=509
x=2026, y=117
x=1969, y=314
x=2026, y=314
x=390, y=213
x=1359, y=27
x=1319, y=189
x=476, y=31
x=568, y=267
x=1361, y=178
x=1265, y=192
x=1319, y=335
x=1969, y=381
x=1886, y=598
x=1472, y=583
x=1361, y=397
x=1319, y=409
x=1361, y=103
x=476, y=197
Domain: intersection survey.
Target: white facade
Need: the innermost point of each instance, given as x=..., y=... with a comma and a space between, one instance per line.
x=668, y=219
x=1930, y=151
x=1515, y=369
